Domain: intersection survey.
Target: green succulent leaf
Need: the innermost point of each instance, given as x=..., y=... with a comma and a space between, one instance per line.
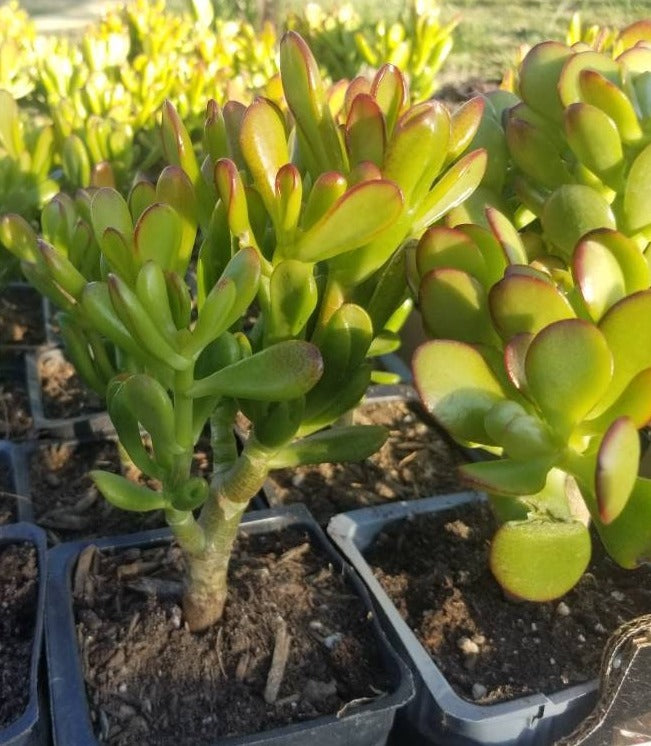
x=365, y=131
x=358, y=216
x=526, y=304
x=595, y=141
x=454, y=306
x=608, y=266
x=285, y=370
x=158, y=235
x=457, y=386
x=633, y=403
x=539, y=560
x=598, y=91
x=338, y=444
x=449, y=247
x=637, y=192
x=536, y=154
x=539, y=75
x=507, y=235
x=617, y=464
x=506, y=476
x=125, y=494
x=292, y=299
x=18, y=237
x=569, y=81
x=572, y=211
x=568, y=370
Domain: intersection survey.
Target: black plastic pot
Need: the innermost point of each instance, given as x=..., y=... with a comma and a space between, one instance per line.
x=10, y=459
x=30, y=729
x=367, y=725
x=83, y=427
x=437, y=713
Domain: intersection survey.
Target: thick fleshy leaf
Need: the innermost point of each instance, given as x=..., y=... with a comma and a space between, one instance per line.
x=417, y=149
x=507, y=477
x=508, y=237
x=231, y=190
x=637, y=193
x=109, y=210
x=569, y=86
x=464, y=125
x=572, y=211
x=515, y=354
x=18, y=237
x=607, y=266
x=629, y=339
x=526, y=304
x=125, y=494
x=456, y=184
x=540, y=560
x=634, y=403
x=456, y=384
x=454, y=306
x=365, y=131
x=292, y=299
x=600, y=92
x=286, y=370
x=336, y=445
x=490, y=136
x=288, y=189
x=568, y=368
x=595, y=141
x=535, y=153
x=119, y=255
x=539, y=75
x=617, y=464
x=491, y=250
x=177, y=144
x=175, y=189
x=141, y=196
x=158, y=234
x=264, y=146
x=389, y=89
x=357, y=217
x=327, y=189
x=447, y=247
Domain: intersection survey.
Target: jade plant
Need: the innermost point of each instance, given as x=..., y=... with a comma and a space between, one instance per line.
x=548, y=369
x=303, y=226
x=579, y=139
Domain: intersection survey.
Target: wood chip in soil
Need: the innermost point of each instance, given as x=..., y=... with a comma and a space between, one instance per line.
x=435, y=569
x=64, y=394
x=18, y=592
x=21, y=317
x=416, y=461
x=150, y=680
x=15, y=414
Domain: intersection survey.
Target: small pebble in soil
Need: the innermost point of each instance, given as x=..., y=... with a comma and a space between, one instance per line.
x=478, y=691
x=563, y=609
x=468, y=646
x=617, y=595
x=600, y=629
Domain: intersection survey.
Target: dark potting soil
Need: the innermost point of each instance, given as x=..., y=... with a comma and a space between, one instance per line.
x=63, y=392
x=18, y=590
x=151, y=681
x=7, y=498
x=21, y=317
x=67, y=503
x=15, y=414
x=435, y=569
x=416, y=461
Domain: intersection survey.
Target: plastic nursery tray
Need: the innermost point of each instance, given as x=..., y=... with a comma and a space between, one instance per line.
x=30, y=729
x=366, y=725
x=83, y=427
x=10, y=457
x=437, y=713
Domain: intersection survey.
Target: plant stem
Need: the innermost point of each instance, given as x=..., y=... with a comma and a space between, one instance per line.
x=220, y=518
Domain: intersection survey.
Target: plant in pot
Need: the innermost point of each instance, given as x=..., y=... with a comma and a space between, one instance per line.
x=297, y=275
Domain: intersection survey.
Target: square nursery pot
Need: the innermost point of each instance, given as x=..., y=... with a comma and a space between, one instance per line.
x=437, y=713
x=30, y=728
x=22, y=325
x=13, y=498
x=86, y=426
x=366, y=725
x=418, y=460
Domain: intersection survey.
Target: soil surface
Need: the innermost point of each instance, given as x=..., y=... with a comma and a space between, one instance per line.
x=69, y=506
x=7, y=498
x=152, y=681
x=63, y=392
x=21, y=317
x=15, y=413
x=67, y=503
x=18, y=591
x=416, y=461
x=435, y=569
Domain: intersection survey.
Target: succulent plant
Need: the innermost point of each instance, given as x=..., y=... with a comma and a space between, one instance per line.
x=17, y=38
x=549, y=371
x=26, y=151
x=416, y=42
x=579, y=140
x=299, y=274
